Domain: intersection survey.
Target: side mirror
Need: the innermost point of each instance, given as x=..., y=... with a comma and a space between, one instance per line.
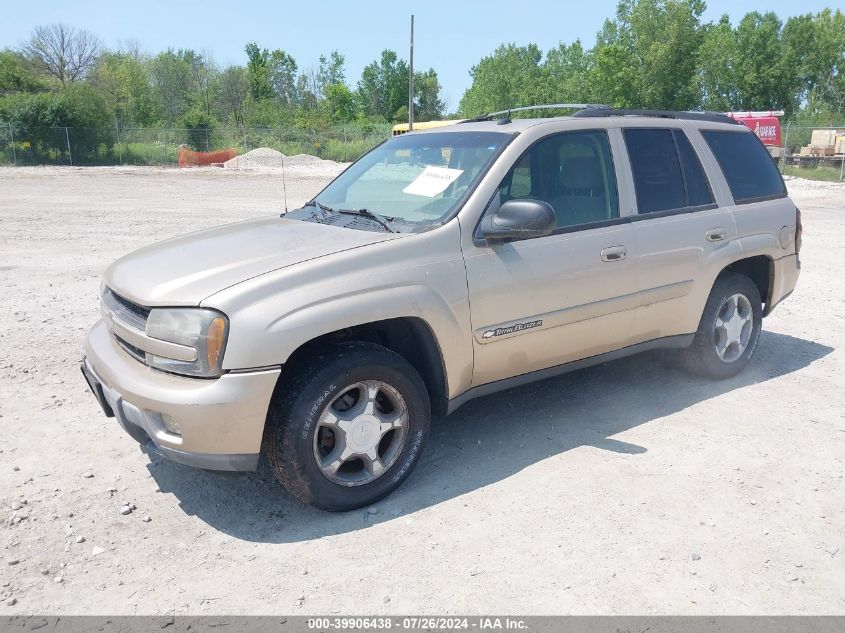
x=519, y=220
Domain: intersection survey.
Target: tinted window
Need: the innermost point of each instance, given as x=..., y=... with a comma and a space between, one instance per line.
x=698, y=189
x=747, y=166
x=657, y=172
x=573, y=172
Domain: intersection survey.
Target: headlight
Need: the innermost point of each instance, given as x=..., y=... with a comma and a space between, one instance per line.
x=204, y=330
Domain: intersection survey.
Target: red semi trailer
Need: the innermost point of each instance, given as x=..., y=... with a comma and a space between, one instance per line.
x=765, y=124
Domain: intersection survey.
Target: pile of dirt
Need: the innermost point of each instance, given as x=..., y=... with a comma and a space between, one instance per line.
x=301, y=160
x=259, y=158
x=267, y=159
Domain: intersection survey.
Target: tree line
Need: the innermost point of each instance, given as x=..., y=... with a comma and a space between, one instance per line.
x=65, y=77
x=651, y=54
x=660, y=54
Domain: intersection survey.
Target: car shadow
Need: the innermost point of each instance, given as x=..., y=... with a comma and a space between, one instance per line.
x=487, y=440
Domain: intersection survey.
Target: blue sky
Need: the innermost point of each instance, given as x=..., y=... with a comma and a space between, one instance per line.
x=450, y=36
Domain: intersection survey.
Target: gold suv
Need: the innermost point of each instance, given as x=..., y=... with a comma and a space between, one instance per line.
x=443, y=265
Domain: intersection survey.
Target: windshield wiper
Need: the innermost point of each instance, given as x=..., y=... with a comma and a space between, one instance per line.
x=321, y=211
x=375, y=217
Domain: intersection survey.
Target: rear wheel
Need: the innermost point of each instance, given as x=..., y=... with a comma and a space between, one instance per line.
x=729, y=329
x=348, y=427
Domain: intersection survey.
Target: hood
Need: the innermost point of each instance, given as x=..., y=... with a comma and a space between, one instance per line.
x=185, y=270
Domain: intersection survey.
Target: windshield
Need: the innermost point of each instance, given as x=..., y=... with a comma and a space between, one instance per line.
x=415, y=180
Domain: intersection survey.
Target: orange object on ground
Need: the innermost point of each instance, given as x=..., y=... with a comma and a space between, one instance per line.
x=190, y=158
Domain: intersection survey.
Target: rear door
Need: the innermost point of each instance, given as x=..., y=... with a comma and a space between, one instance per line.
x=682, y=234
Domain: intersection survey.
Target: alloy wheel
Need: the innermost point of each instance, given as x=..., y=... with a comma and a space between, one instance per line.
x=733, y=327
x=361, y=433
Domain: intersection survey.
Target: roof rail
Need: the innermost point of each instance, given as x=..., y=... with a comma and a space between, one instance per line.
x=715, y=117
x=552, y=106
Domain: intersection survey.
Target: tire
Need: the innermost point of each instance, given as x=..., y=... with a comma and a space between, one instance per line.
x=720, y=352
x=340, y=400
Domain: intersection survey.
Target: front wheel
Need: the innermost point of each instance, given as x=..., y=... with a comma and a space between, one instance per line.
x=729, y=329
x=348, y=427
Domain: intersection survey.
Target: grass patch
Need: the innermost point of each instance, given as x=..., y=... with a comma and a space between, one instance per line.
x=145, y=154
x=829, y=174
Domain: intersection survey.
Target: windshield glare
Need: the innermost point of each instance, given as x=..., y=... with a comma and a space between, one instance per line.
x=415, y=178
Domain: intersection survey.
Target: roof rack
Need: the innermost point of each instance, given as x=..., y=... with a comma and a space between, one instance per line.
x=552, y=106
x=715, y=117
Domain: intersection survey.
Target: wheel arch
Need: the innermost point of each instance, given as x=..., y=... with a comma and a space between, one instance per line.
x=410, y=337
x=761, y=270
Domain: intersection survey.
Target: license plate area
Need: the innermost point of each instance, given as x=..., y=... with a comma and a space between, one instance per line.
x=97, y=390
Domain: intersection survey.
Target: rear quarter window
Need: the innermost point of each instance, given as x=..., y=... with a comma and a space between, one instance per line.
x=750, y=171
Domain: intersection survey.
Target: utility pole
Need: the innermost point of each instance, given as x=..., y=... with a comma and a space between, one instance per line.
x=411, y=81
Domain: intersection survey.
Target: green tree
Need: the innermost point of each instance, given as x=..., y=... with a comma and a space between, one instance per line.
x=512, y=76
x=17, y=74
x=124, y=83
x=308, y=89
x=716, y=77
x=339, y=102
x=170, y=77
x=428, y=105
x=283, y=69
x=647, y=57
x=204, y=82
x=198, y=124
x=331, y=71
x=39, y=117
x=762, y=76
x=258, y=67
x=383, y=87
x=568, y=74
x=814, y=50
x=234, y=95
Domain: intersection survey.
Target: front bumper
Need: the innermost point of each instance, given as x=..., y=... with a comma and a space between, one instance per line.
x=220, y=421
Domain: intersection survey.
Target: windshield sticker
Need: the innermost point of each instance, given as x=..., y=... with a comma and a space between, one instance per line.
x=432, y=180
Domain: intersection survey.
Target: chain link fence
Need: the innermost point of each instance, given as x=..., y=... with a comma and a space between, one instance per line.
x=20, y=145
x=816, y=165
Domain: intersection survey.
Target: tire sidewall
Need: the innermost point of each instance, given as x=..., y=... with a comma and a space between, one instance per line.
x=302, y=422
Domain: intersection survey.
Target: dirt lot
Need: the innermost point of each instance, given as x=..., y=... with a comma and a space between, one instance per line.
x=625, y=488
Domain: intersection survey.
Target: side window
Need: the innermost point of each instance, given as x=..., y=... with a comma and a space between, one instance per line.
x=657, y=172
x=698, y=189
x=748, y=168
x=520, y=183
x=573, y=172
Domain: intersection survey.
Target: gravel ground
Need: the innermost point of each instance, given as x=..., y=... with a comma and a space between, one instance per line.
x=624, y=488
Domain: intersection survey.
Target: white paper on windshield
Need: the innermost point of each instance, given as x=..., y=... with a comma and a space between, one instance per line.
x=433, y=180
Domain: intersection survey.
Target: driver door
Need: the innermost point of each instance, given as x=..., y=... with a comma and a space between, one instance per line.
x=546, y=301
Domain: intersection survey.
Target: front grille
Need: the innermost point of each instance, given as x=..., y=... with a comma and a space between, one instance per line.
x=125, y=310
x=129, y=314
x=133, y=351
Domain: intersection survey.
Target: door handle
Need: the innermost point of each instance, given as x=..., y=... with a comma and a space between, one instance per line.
x=716, y=235
x=613, y=253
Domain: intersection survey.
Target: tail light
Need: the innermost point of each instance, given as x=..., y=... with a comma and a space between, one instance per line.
x=799, y=229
